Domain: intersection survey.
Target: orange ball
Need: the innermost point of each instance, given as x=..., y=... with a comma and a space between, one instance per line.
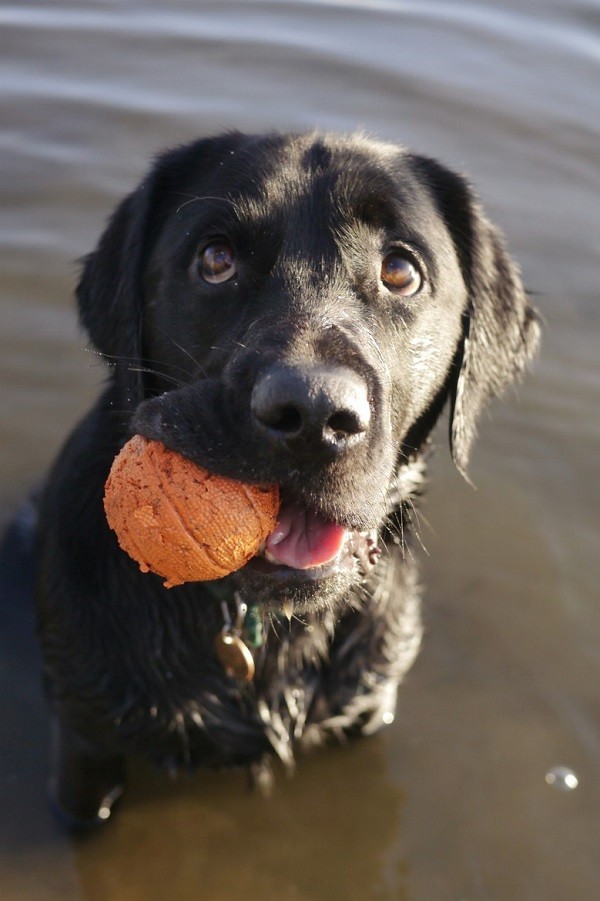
x=181, y=521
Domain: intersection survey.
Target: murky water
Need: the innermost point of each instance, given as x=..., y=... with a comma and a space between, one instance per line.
x=453, y=801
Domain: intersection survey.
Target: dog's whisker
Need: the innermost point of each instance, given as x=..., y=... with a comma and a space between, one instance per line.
x=421, y=516
x=114, y=411
x=204, y=199
x=148, y=370
x=397, y=529
x=299, y=619
x=187, y=372
x=401, y=536
x=130, y=361
x=111, y=358
x=273, y=623
x=101, y=363
x=416, y=529
x=197, y=365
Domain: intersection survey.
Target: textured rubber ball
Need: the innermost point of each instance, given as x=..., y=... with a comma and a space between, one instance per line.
x=180, y=521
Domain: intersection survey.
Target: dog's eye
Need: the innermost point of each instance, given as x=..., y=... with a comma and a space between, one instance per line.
x=216, y=262
x=399, y=275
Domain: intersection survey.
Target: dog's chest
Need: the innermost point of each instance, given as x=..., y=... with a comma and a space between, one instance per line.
x=188, y=708
x=312, y=678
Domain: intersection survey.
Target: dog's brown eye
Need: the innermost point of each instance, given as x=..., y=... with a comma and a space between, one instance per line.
x=216, y=262
x=400, y=275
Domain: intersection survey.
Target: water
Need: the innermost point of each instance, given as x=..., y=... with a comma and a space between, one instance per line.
x=452, y=801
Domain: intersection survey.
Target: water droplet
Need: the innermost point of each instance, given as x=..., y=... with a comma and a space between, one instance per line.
x=388, y=717
x=562, y=778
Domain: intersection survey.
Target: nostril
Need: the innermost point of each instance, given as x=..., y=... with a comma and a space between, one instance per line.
x=345, y=423
x=285, y=419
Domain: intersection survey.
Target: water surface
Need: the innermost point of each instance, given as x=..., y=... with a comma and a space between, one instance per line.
x=452, y=801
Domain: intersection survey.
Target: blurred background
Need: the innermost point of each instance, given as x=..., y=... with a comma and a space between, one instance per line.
x=460, y=798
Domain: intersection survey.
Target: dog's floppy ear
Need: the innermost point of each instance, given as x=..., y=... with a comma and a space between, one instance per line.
x=501, y=328
x=109, y=293
x=501, y=334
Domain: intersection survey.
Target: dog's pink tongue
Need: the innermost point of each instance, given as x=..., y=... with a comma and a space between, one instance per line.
x=302, y=539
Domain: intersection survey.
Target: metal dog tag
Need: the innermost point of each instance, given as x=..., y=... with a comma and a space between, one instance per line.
x=235, y=656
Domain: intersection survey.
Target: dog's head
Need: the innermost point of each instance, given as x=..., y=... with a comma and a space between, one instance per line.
x=298, y=310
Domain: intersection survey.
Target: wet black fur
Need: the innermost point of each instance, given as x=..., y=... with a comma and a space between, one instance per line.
x=129, y=665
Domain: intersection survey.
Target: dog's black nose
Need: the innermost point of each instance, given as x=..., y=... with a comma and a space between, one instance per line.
x=312, y=409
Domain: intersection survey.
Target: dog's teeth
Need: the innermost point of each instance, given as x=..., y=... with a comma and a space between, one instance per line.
x=288, y=609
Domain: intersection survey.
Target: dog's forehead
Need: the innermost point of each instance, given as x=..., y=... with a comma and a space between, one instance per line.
x=322, y=169
x=277, y=179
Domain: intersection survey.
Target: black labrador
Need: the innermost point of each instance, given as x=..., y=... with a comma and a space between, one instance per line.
x=290, y=309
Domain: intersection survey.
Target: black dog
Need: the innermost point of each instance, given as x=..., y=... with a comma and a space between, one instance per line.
x=280, y=309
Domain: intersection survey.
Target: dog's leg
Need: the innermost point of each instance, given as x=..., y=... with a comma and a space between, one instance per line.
x=84, y=784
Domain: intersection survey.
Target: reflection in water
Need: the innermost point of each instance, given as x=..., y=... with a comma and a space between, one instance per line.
x=453, y=801
x=323, y=834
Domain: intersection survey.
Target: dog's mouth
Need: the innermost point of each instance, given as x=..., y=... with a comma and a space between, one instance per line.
x=305, y=544
x=302, y=539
